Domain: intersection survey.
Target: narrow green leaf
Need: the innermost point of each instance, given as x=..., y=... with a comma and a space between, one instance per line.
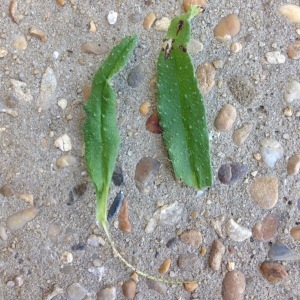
x=181, y=107
x=100, y=130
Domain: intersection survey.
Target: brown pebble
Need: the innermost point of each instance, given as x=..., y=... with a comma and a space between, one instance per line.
x=149, y=20
x=227, y=28
x=225, y=118
x=38, y=33
x=92, y=48
x=129, y=289
x=190, y=286
x=20, y=43
x=134, y=276
x=233, y=286
x=152, y=123
x=264, y=192
x=295, y=233
x=86, y=91
x=124, y=223
x=13, y=11
x=203, y=251
x=205, y=74
x=216, y=254
x=6, y=190
x=144, y=108
x=266, y=229
x=188, y=3
x=165, y=266
x=240, y=135
x=191, y=237
x=293, y=165
x=18, y=219
x=60, y=2
x=273, y=271
x=293, y=50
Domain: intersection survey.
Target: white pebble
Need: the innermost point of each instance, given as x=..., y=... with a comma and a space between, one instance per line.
x=66, y=257
x=271, y=151
x=3, y=234
x=112, y=17
x=237, y=232
x=62, y=103
x=19, y=281
x=275, y=57
x=63, y=143
x=76, y=292
x=293, y=92
x=162, y=24
x=95, y=240
x=55, y=54
x=65, y=161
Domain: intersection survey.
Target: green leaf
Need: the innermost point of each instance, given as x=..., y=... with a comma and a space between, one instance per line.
x=181, y=108
x=100, y=130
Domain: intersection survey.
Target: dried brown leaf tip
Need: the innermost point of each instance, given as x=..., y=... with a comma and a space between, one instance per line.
x=152, y=123
x=15, y=15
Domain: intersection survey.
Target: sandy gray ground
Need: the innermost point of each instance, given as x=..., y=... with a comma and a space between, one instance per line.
x=28, y=156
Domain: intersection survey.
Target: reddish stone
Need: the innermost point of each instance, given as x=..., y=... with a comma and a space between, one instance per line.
x=273, y=271
x=266, y=229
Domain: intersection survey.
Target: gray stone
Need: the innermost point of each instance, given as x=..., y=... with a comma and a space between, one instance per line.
x=280, y=251
x=189, y=261
x=231, y=173
x=271, y=151
x=76, y=292
x=135, y=77
x=109, y=293
x=157, y=286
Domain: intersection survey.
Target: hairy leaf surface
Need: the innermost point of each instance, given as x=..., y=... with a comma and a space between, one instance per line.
x=100, y=130
x=181, y=107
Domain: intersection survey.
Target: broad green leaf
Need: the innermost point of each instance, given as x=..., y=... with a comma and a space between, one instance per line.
x=181, y=108
x=100, y=130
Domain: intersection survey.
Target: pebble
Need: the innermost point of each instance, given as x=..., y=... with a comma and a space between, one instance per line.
x=136, y=17
x=26, y=197
x=190, y=286
x=233, y=285
x=124, y=223
x=189, y=261
x=6, y=190
x=216, y=224
x=165, y=266
x=271, y=151
x=19, y=281
x=61, y=2
x=236, y=47
x=152, y=124
x=293, y=50
x=66, y=257
x=218, y=63
x=54, y=231
x=20, y=91
x=273, y=271
x=146, y=170
x=192, y=238
x=3, y=234
x=167, y=215
x=55, y=292
x=172, y=242
x=129, y=289
x=62, y=103
x=275, y=57
x=95, y=241
x=78, y=247
x=242, y=90
x=266, y=229
x=63, y=143
x=231, y=173
x=135, y=77
x=20, y=43
x=92, y=27
x=47, y=89
x=293, y=92
x=194, y=46
x=264, y=192
x=38, y=33
x=115, y=206
x=187, y=4
x=112, y=17
x=280, y=251
x=225, y=118
x=117, y=177
x=92, y=48
x=3, y=52
x=144, y=108
x=227, y=28
x=66, y=161
x=241, y=134
x=237, y=232
x=162, y=24
x=157, y=286
x=293, y=165
x=76, y=292
x=295, y=233
x=291, y=12
x=216, y=254
x=205, y=74
x=149, y=20
x=20, y=218
x=108, y=293
x=7, y=110
x=16, y=16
